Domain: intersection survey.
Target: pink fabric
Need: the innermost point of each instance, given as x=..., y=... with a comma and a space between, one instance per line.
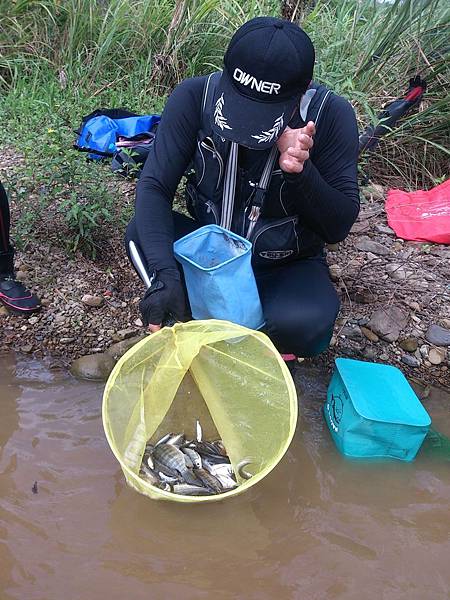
x=288, y=357
x=421, y=216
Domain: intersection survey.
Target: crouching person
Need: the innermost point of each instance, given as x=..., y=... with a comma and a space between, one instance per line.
x=13, y=294
x=273, y=158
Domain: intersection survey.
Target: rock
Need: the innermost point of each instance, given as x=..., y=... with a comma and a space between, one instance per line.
x=117, y=350
x=93, y=366
x=33, y=320
x=445, y=323
x=384, y=357
x=3, y=311
x=123, y=334
x=60, y=318
x=360, y=226
x=67, y=340
x=363, y=321
x=424, y=350
x=397, y=272
x=370, y=335
x=411, y=361
x=369, y=353
x=438, y=336
x=409, y=344
x=21, y=275
x=138, y=323
x=436, y=355
x=367, y=245
x=352, y=333
x=27, y=348
x=333, y=341
x=90, y=300
x=413, y=305
x=388, y=322
x=335, y=272
x=384, y=229
x=364, y=297
x=46, y=302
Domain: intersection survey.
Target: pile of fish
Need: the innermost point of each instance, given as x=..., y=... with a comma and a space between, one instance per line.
x=190, y=467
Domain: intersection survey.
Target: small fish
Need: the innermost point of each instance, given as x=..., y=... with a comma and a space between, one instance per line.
x=149, y=475
x=168, y=478
x=193, y=456
x=177, y=439
x=208, y=480
x=227, y=483
x=170, y=457
x=241, y=469
x=219, y=445
x=189, y=490
x=199, y=431
x=218, y=469
x=164, y=439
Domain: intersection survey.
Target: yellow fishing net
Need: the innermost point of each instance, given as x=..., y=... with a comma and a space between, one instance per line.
x=228, y=377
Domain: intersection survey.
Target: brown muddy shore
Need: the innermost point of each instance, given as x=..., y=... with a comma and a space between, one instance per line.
x=395, y=295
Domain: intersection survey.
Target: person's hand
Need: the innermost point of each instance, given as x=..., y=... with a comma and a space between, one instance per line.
x=166, y=295
x=294, y=146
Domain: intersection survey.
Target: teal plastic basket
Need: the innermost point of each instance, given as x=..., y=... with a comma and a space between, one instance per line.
x=373, y=412
x=219, y=276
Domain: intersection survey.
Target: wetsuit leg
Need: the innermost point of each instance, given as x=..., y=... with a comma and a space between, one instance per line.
x=300, y=305
x=6, y=250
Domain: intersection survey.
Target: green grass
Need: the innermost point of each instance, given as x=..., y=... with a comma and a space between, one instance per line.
x=61, y=59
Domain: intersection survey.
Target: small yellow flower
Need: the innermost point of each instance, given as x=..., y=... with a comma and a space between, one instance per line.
x=51, y=130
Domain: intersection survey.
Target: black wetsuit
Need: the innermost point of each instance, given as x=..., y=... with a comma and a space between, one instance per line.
x=299, y=301
x=6, y=251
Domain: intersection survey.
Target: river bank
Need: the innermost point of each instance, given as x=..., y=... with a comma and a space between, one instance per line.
x=394, y=293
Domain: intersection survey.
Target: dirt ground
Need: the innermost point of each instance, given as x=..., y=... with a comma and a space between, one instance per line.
x=391, y=292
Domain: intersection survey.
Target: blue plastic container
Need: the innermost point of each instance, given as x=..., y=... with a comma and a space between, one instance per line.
x=219, y=276
x=372, y=411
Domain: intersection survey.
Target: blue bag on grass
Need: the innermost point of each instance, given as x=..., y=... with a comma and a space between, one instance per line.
x=219, y=276
x=372, y=411
x=100, y=130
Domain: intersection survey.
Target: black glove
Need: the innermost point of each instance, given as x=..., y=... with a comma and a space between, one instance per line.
x=163, y=298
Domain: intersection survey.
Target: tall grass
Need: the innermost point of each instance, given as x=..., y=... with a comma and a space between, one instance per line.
x=61, y=58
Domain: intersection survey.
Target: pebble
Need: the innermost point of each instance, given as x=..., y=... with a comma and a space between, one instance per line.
x=123, y=334
x=413, y=305
x=67, y=340
x=438, y=336
x=90, y=300
x=3, y=311
x=384, y=357
x=46, y=302
x=445, y=323
x=367, y=245
x=370, y=335
x=27, y=348
x=424, y=350
x=436, y=355
x=335, y=272
x=384, y=229
x=369, y=353
x=21, y=275
x=352, y=333
x=33, y=320
x=411, y=361
x=388, y=322
x=23, y=328
x=138, y=323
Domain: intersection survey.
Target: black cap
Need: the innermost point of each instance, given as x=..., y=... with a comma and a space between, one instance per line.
x=267, y=67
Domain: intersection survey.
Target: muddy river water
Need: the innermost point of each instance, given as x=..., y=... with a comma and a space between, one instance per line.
x=319, y=527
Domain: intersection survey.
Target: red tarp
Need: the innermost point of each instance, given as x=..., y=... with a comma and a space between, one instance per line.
x=421, y=216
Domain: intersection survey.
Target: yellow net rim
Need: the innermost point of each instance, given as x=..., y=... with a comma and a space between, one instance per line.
x=156, y=493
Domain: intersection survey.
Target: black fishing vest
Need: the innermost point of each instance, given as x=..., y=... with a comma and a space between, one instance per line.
x=267, y=217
